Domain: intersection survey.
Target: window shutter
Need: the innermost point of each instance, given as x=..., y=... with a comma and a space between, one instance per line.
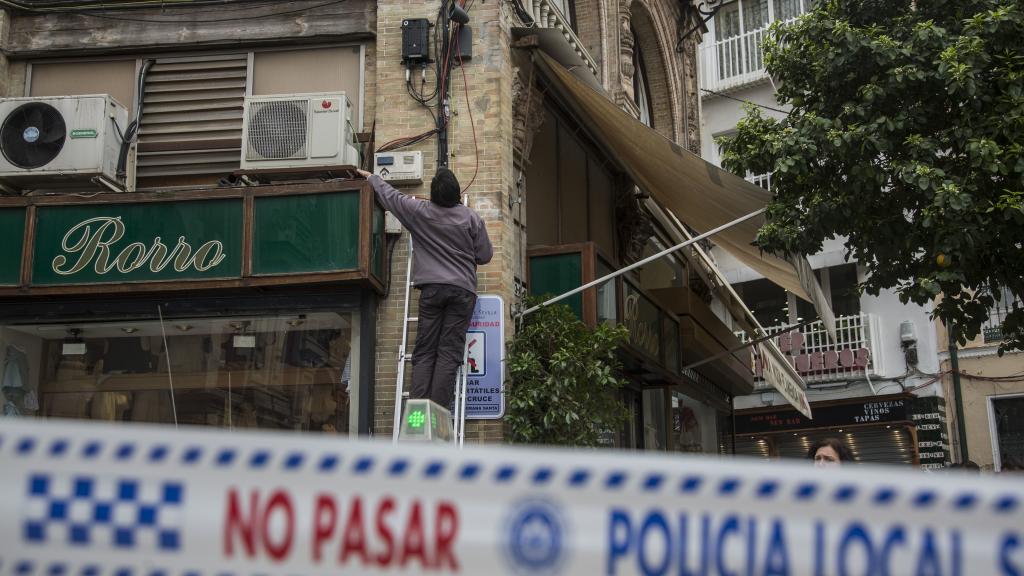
x=192, y=116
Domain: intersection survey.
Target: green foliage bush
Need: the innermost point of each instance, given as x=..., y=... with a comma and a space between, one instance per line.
x=562, y=380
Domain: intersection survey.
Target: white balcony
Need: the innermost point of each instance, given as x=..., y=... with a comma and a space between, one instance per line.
x=762, y=180
x=732, y=57
x=818, y=359
x=733, y=62
x=549, y=14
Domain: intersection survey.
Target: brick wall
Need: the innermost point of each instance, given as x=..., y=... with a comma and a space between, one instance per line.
x=397, y=115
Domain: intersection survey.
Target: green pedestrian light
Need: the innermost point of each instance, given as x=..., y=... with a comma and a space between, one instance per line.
x=425, y=421
x=416, y=419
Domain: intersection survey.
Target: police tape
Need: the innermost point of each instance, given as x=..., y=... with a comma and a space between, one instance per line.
x=92, y=499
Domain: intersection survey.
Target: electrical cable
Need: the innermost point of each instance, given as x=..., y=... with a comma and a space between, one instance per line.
x=205, y=20
x=522, y=14
x=779, y=110
x=472, y=124
x=405, y=141
x=132, y=130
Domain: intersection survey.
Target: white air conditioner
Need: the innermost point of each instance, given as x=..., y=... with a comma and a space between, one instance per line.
x=55, y=142
x=298, y=131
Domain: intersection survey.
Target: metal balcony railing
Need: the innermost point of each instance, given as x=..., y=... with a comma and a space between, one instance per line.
x=818, y=359
x=732, y=62
x=762, y=180
x=548, y=14
x=992, y=329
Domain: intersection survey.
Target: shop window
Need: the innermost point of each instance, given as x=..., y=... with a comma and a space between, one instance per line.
x=665, y=272
x=1007, y=416
x=694, y=426
x=296, y=372
x=570, y=190
x=607, y=312
x=655, y=427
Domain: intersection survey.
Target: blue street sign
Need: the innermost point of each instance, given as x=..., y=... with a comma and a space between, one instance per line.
x=485, y=352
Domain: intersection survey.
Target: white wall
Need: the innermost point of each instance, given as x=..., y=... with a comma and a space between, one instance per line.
x=719, y=114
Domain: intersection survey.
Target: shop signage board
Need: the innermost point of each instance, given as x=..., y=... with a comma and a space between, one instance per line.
x=780, y=375
x=145, y=241
x=485, y=359
x=12, y=234
x=100, y=498
x=809, y=282
x=929, y=415
x=640, y=317
x=872, y=410
x=254, y=238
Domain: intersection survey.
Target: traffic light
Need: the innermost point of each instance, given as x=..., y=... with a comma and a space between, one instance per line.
x=425, y=421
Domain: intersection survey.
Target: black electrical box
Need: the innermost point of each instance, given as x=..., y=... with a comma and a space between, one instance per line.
x=465, y=43
x=415, y=41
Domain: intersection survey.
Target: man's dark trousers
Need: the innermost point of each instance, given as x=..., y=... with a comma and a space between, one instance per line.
x=444, y=315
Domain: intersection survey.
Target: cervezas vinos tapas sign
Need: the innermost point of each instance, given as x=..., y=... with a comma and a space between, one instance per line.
x=156, y=241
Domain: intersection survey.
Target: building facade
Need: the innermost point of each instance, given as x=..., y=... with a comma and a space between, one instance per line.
x=877, y=387
x=216, y=292
x=991, y=394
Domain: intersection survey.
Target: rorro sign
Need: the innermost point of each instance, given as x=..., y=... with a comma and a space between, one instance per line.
x=238, y=238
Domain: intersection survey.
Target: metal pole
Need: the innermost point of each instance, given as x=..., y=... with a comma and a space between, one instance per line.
x=961, y=426
x=400, y=379
x=637, y=264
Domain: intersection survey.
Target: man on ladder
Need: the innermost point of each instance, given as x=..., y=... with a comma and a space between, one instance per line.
x=451, y=241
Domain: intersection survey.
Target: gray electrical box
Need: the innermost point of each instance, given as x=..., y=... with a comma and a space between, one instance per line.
x=399, y=168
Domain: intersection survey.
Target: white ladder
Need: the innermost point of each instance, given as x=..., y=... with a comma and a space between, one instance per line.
x=459, y=414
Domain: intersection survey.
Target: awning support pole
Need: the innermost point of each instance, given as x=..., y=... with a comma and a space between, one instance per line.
x=639, y=263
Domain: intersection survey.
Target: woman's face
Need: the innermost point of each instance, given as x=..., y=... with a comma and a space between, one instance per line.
x=826, y=457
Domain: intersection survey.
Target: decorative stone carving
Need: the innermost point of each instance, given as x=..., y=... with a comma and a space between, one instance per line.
x=634, y=224
x=691, y=94
x=626, y=50
x=527, y=116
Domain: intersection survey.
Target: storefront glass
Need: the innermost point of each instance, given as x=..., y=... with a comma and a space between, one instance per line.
x=654, y=419
x=693, y=426
x=289, y=372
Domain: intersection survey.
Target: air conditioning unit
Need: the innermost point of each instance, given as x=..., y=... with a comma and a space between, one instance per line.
x=298, y=131
x=58, y=142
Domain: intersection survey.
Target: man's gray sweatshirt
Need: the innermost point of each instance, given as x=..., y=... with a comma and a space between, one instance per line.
x=448, y=243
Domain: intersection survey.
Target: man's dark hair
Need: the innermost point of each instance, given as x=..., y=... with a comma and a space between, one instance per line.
x=444, y=188
x=834, y=443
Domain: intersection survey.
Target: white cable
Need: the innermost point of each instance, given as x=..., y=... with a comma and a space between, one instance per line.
x=167, y=354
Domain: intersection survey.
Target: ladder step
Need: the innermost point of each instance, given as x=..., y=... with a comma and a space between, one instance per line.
x=413, y=319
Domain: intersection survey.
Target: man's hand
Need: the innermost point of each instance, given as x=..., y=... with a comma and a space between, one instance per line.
x=364, y=173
